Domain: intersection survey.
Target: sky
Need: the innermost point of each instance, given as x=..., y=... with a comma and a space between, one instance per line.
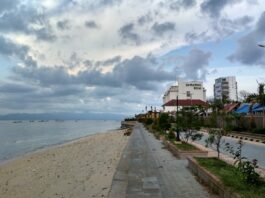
x=118, y=56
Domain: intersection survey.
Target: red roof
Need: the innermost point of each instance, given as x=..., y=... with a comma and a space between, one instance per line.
x=186, y=102
x=230, y=107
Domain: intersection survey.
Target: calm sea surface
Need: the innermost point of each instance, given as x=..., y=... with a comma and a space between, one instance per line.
x=20, y=138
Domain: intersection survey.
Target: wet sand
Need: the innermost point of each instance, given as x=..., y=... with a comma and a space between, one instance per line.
x=82, y=168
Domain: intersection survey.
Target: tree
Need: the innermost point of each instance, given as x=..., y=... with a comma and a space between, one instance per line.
x=215, y=138
x=243, y=94
x=216, y=134
x=251, y=98
x=261, y=95
x=217, y=105
x=163, y=121
x=190, y=124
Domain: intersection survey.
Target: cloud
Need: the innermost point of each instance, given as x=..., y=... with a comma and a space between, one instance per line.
x=110, y=61
x=13, y=50
x=194, y=64
x=127, y=34
x=16, y=88
x=144, y=19
x=185, y=4
x=215, y=7
x=91, y=24
x=192, y=37
x=224, y=26
x=137, y=72
x=162, y=28
x=63, y=25
x=7, y=5
x=248, y=51
x=27, y=20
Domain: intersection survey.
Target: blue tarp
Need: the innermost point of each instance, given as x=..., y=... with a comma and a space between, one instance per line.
x=259, y=108
x=244, y=108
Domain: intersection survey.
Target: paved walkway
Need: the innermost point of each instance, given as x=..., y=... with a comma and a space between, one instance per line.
x=146, y=169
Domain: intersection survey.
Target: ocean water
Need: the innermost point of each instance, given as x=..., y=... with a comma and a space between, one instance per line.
x=23, y=137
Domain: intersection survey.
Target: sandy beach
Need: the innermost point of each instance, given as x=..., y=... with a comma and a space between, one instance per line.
x=82, y=168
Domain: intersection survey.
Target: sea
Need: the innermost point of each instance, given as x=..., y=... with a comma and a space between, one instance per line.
x=21, y=137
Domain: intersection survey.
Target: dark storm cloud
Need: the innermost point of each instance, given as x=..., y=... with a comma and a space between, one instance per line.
x=136, y=72
x=194, y=64
x=248, y=51
x=215, y=7
x=91, y=24
x=127, y=33
x=185, y=4
x=63, y=25
x=162, y=28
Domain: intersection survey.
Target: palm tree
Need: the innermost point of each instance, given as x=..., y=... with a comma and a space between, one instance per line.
x=261, y=95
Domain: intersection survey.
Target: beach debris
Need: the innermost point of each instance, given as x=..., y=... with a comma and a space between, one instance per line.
x=127, y=132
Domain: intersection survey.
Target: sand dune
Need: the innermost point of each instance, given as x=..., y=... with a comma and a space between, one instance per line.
x=82, y=168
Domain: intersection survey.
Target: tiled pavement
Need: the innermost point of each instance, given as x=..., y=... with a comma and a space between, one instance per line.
x=146, y=169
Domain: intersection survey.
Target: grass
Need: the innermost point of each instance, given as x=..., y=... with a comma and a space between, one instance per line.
x=186, y=147
x=230, y=178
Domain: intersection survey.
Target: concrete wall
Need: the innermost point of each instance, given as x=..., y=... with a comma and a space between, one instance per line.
x=210, y=180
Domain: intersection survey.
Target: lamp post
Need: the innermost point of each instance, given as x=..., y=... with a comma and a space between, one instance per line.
x=261, y=45
x=177, y=101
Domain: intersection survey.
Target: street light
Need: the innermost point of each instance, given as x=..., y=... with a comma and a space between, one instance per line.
x=177, y=104
x=178, y=138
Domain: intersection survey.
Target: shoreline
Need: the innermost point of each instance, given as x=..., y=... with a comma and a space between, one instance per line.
x=83, y=167
x=52, y=146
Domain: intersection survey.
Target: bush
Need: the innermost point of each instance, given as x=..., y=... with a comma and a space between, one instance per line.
x=171, y=135
x=259, y=130
x=149, y=121
x=238, y=128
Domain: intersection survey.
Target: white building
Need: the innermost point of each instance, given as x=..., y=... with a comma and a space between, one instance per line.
x=226, y=87
x=188, y=93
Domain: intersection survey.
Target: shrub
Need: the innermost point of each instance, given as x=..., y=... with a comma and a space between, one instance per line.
x=259, y=130
x=171, y=135
x=149, y=121
x=246, y=168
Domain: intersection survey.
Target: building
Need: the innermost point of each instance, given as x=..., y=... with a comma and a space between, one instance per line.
x=188, y=93
x=171, y=106
x=226, y=88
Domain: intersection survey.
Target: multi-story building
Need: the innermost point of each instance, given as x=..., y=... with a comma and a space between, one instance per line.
x=187, y=93
x=226, y=88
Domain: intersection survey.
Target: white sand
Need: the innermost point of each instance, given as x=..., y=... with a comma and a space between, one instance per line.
x=82, y=168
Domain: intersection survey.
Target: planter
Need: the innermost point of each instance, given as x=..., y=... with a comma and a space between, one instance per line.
x=210, y=180
x=184, y=154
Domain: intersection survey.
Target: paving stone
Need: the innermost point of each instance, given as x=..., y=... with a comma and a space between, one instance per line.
x=141, y=159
